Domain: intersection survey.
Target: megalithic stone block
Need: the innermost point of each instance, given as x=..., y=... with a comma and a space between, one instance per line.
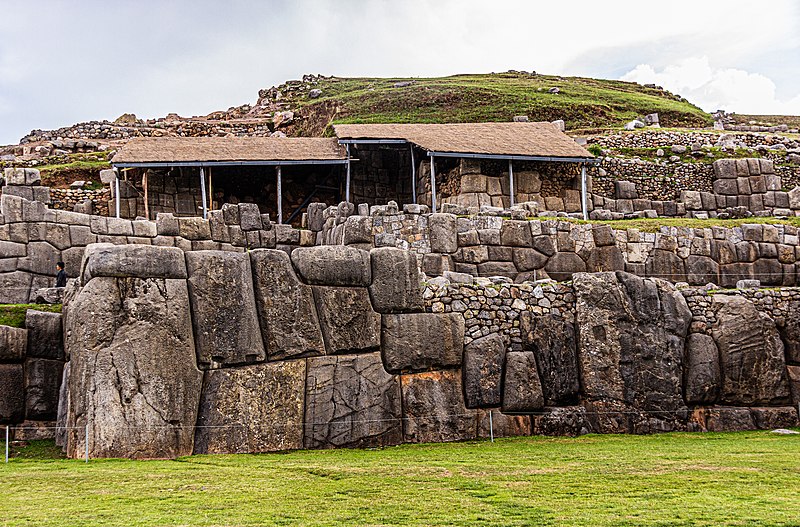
x=45, y=335
x=396, y=281
x=422, y=341
x=483, y=369
x=349, y=324
x=335, y=265
x=289, y=323
x=224, y=314
x=433, y=408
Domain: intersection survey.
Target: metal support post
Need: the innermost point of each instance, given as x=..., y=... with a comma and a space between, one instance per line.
x=203, y=192
x=146, y=196
x=116, y=195
x=511, y=182
x=491, y=427
x=433, y=184
x=87, y=442
x=6, y=443
x=280, y=193
x=347, y=182
x=584, y=207
x=413, y=176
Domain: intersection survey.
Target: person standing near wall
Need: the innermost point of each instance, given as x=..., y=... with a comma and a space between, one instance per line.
x=61, y=275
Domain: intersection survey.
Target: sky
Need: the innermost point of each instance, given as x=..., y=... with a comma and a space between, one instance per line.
x=63, y=62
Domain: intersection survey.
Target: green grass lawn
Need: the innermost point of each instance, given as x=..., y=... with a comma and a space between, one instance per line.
x=14, y=314
x=748, y=478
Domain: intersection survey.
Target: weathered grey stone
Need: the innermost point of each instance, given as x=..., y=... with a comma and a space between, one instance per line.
x=768, y=271
x=45, y=335
x=563, y=265
x=526, y=259
x=506, y=269
x=256, y=408
x=766, y=418
x=194, y=228
x=553, y=341
x=565, y=421
x=790, y=332
x=433, y=408
x=443, y=230
x=605, y=258
x=421, y=341
x=133, y=376
x=13, y=344
x=701, y=270
x=224, y=317
x=357, y=229
x=723, y=419
x=502, y=425
x=794, y=382
x=753, y=369
x=395, y=281
x=725, y=168
x=352, y=402
x=139, y=261
x=701, y=374
x=516, y=233
x=63, y=409
x=12, y=249
x=42, y=384
x=41, y=259
x=631, y=338
x=335, y=265
x=289, y=323
x=15, y=287
x=249, y=217
x=315, y=218
x=625, y=190
x=349, y=324
x=665, y=265
x=482, y=368
x=12, y=393
x=522, y=388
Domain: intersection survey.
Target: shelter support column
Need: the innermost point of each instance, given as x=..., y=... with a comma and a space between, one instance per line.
x=413, y=176
x=203, y=192
x=433, y=184
x=116, y=195
x=146, y=196
x=347, y=182
x=584, y=207
x=511, y=182
x=280, y=193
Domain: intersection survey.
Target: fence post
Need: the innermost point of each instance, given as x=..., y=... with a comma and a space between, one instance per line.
x=6, y=443
x=87, y=442
x=491, y=427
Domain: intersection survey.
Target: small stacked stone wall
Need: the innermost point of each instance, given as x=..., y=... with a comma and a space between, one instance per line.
x=73, y=199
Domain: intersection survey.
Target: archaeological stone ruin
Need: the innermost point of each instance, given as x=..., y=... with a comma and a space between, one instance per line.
x=398, y=284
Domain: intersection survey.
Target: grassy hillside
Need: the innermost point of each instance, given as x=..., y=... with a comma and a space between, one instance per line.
x=686, y=479
x=582, y=102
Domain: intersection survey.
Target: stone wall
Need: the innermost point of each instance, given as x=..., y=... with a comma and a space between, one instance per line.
x=335, y=346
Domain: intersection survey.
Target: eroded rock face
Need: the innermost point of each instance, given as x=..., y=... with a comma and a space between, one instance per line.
x=42, y=383
x=433, y=408
x=13, y=343
x=631, y=337
x=522, y=389
x=752, y=363
x=701, y=370
x=12, y=393
x=133, y=377
x=257, y=408
x=790, y=332
x=483, y=369
x=45, y=335
x=395, y=281
x=226, y=328
x=140, y=261
x=289, y=323
x=351, y=402
x=349, y=325
x=336, y=265
x=422, y=341
x=553, y=341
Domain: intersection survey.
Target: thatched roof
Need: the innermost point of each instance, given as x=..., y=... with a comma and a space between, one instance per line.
x=512, y=139
x=160, y=150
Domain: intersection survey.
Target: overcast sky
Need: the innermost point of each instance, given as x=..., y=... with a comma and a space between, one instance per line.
x=65, y=62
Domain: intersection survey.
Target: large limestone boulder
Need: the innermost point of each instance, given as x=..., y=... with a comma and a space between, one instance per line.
x=226, y=328
x=752, y=363
x=422, y=341
x=42, y=383
x=396, y=281
x=139, y=261
x=631, y=335
x=701, y=370
x=351, y=402
x=553, y=342
x=483, y=369
x=522, y=389
x=336, y=265
x=133, y=377
x=12, y=393
x=349, y=324
x=289, y=323
x=45, y=335
x=433, y=408
x=256, y=408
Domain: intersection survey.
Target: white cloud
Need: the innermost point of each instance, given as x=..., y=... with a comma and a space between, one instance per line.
x=711, y=88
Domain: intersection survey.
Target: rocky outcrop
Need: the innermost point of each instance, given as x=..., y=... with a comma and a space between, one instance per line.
x=752, y=363
x=631, y=337
x=289, y=323
x=226, y=328
x=351, y=402
x=133, y=377
x=257, y=408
